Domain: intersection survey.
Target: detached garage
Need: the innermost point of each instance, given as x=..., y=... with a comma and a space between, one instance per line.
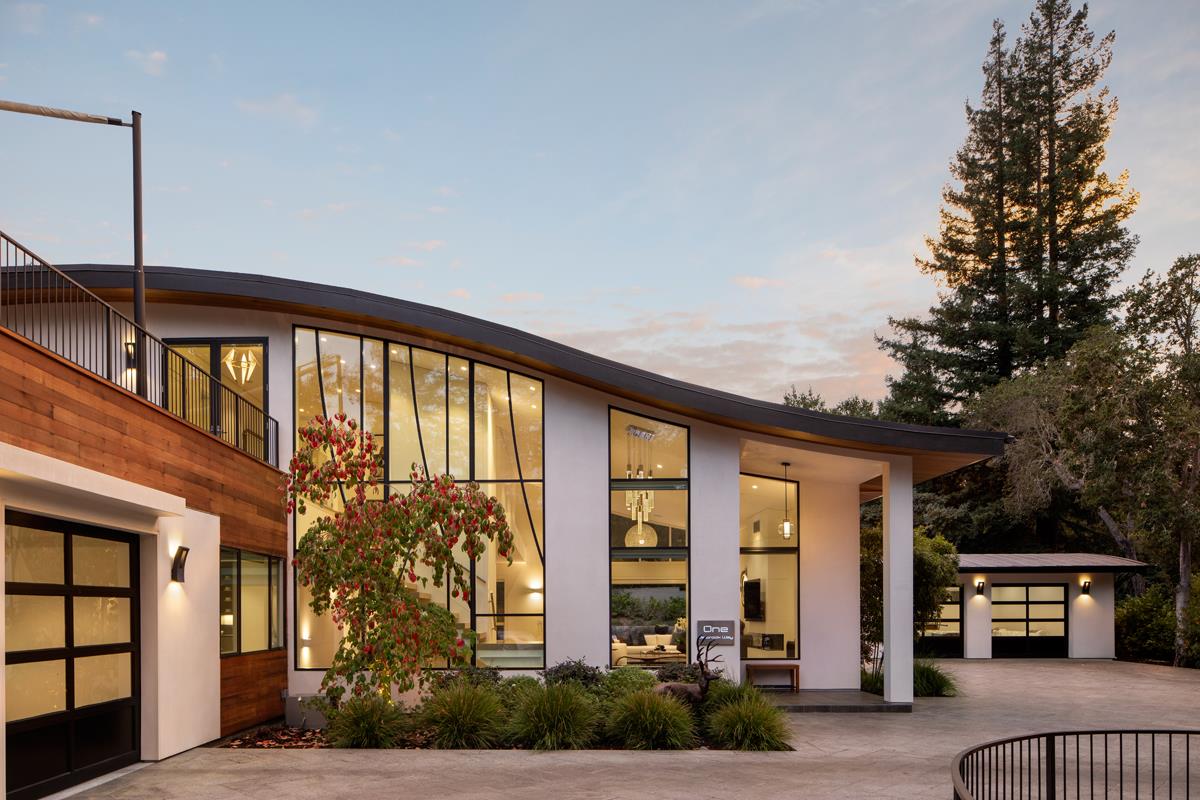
x=1029, y=605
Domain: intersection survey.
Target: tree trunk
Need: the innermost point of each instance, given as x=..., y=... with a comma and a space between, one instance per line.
x=1125, y=544
x=1183, y=595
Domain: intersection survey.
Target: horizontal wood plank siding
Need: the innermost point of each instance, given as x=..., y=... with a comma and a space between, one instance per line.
x=53, y=407
x=252, y=688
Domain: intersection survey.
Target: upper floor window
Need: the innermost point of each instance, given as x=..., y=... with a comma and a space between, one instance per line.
x=240, y=415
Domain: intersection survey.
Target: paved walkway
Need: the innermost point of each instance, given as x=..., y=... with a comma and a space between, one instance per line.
x=837, y=755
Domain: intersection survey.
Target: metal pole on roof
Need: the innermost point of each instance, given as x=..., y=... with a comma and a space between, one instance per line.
x=139, y=270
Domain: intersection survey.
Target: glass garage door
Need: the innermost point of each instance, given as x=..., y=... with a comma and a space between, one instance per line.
x=944, y=638
x=1029, y=620
x=71, y=655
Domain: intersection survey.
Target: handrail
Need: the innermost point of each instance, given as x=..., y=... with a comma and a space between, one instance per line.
x=1071, y=764
x=46, y=306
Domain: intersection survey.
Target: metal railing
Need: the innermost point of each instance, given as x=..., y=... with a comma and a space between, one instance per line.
x=48, y=307
x=1082, y=764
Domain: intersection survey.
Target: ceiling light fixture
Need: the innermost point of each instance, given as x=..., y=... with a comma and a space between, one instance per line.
x=241, y=365
x=639, y=502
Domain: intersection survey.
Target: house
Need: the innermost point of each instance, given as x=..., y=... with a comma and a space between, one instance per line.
x=149, y=601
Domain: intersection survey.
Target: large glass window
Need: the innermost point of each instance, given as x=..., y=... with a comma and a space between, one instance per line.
x=648, y=519
x=769, y=563
x=251, y=602
x=442, y=413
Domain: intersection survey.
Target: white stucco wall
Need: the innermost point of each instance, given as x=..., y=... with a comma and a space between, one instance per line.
x=1090, y=631
x=829, y=596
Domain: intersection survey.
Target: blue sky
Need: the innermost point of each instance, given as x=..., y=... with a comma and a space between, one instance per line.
x=728, y=193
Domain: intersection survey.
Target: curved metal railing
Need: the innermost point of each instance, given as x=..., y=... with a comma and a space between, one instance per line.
x=48, y=307
x=1150, y=763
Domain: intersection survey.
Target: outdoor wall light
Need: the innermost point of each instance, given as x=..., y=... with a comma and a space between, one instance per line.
x=1087, y=587
x=131, y=355
x=979, y=587
x=179, y=563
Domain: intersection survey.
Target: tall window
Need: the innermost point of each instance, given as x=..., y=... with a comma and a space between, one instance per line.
x=445, y=414
x=648, y=539
x=769, y=562
x=251, y=602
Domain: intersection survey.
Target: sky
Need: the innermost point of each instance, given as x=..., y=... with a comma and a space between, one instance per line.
x=729, y=193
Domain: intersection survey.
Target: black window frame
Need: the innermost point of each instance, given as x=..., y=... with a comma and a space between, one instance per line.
x=776, y=551
x=472, y=361
x=214, y=365
x=660, y=484
x=1029, y=648
x=282, y=629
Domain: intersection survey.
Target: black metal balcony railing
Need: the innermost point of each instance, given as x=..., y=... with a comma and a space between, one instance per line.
x=1082, y=764
x=48, y=307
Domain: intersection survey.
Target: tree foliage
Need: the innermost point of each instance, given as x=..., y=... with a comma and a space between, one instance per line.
x=360, y=562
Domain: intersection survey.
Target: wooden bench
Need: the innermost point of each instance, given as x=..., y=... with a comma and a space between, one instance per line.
x=792, y=669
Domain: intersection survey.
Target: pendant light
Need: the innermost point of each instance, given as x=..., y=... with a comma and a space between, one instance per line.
x=785, y=527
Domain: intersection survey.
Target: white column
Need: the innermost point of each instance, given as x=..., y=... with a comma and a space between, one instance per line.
x=897, y=580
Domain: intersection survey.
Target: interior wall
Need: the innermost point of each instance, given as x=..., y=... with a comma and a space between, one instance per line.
x=829, y=598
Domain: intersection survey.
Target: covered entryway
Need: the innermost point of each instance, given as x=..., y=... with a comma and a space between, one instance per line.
x=71, y=653
x=1029, y=620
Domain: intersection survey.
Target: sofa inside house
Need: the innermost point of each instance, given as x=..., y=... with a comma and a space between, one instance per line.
x=655, y=648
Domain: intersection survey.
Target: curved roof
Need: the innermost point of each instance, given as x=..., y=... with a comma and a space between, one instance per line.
x=935, y=450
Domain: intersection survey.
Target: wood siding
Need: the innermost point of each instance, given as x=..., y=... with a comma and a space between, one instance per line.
x=252, y=688
x=53, y=407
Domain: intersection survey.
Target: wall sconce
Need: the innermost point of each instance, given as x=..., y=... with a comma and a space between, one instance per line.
x=179, y=563
x=131, y=355
x=979, y=587
x=1087, y=587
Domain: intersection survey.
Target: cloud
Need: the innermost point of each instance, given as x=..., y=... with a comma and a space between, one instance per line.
x=89, y=20
x=27, y=17
x=522, y=297
x=400, y=261
x=285, y=107
x=429, y=245
x=447, y=191
x=437, y=209
x=151, y=62
x=392, y=135
x=755, y=281
x=463, y=293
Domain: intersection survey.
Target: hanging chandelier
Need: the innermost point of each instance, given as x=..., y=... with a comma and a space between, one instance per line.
x=241, y=364
x=639, y=445
x=785, y=527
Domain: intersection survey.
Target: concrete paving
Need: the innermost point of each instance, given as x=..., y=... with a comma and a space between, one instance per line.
x=837, y=755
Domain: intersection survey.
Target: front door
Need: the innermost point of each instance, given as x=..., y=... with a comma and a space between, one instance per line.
x=1029, y=620
x=71, y=653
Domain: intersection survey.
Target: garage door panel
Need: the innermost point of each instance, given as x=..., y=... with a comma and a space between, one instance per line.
x=1029, y=620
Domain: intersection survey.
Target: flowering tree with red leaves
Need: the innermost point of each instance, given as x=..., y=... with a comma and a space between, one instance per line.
x=360, y=562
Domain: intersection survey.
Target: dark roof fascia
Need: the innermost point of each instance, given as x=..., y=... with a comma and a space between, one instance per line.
x=1114, y=568
x=602, y=371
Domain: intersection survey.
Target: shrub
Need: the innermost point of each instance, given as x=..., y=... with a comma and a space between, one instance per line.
x=475, y=676
x=511, y=690
x=644, y=720
x=463, y=716
x=577, y=671
x=370, y=721
x=871, y=681
x=1146, y=626
x=749, y=723
x=679, y=673
x=930, y=680
x=622, y=681
x=721, y=693
x=559, y=716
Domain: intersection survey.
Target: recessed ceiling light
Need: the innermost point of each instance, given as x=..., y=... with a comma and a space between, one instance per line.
x=754, y=486
x=533, y=405
x=658, y=466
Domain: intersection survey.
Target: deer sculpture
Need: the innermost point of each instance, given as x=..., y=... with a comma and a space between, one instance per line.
x=694, y=693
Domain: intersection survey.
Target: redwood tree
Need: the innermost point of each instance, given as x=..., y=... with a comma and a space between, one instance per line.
x=361, y=562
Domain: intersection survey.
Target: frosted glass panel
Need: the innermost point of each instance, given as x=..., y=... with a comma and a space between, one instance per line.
x=1047, y=628
x=1047, y=593
x=33, y=622
x=99, y=679
x=99, y=562
x=32, y=556
x=34, y=689
x=1007, y=593
x=1008, y=612
x=101, y=620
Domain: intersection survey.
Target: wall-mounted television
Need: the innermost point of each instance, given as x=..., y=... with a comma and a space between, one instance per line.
x=754, y=606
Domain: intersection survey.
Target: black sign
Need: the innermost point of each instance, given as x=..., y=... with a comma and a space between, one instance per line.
x=717, y=632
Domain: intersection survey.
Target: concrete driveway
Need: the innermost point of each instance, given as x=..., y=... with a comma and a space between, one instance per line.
x=848, y=755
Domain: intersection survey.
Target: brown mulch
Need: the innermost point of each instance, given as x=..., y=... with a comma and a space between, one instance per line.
x=277, y=738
